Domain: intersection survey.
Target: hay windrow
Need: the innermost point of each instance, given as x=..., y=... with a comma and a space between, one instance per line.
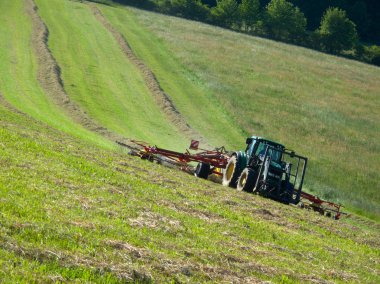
x=161, y=98
x=49, y=75
x=8, y=105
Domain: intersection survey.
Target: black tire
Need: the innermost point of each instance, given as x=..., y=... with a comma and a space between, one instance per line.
x=247, y=180
x=202, y=170
x=231, y=172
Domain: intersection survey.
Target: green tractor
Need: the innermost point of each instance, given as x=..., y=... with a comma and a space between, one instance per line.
x=266, y=168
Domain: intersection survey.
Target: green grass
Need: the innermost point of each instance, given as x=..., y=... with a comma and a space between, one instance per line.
x=99, y=77
x=70, y=211
x=322, y=106
x=18, y=74
x=192, y=98
x=226, y=86
x=75, y=208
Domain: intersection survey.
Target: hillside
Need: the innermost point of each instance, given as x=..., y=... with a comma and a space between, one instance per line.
x=72, y=211
x=76, y=76
x=322, y=106
x=127, y=76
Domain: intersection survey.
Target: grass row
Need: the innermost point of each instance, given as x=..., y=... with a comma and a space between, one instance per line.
x=18, y=74
x=99, y=77
x=193, y=99
x=71, y=211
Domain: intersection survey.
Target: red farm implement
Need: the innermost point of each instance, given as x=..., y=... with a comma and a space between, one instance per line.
x=217, y=159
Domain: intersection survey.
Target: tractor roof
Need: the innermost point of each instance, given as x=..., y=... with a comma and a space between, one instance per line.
x=270, y=141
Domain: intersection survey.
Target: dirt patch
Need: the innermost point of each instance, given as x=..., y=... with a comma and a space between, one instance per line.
x=156, y=221
x=161, y=98
x=49, y=75
x=134, y=251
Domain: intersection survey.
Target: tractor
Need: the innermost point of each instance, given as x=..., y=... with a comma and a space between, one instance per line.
x=266, y=168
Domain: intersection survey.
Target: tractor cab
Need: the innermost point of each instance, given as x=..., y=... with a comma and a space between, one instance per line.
x=256, y=147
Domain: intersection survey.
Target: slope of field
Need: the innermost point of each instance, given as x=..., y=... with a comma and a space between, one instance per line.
x=195, y=102
x=100, y=78
x=73, y=212
x=223, y=86
x=75, y=208
x=18, y=74
x=324, y=107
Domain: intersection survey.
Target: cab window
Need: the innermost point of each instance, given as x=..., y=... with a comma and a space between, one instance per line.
x=260, y=151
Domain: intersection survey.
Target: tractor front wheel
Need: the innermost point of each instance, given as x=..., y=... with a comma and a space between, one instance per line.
x=202, y=170
x=247, y=180
x=231, y=173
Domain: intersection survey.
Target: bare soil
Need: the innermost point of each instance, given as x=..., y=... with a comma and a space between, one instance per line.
x=161, y=98
x=49, y=76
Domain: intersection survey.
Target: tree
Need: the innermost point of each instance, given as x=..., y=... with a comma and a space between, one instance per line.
x=225, y=13
x=250, y=13
x=284, y=21
x=191, y=9
x=337, y=31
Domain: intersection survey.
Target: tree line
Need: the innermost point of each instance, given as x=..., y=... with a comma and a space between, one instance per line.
x=341, y=27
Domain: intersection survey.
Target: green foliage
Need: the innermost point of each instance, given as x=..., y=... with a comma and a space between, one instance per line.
x=371, y=54
x=191, y=9
x=313, y=40
x=285, y=21
x=337, y=32
x=282, y=20
x=225, y=13
x=364, y=13
x=249, y=13
x=163, y=6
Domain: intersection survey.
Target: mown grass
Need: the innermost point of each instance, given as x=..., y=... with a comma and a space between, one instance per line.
x=226, y=85
x=322, y=106
x=71, y=211
x=18, y=74
x=99, y=77
x=194, y=101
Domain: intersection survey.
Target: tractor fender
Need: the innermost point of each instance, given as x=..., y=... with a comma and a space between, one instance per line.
x=241, y=158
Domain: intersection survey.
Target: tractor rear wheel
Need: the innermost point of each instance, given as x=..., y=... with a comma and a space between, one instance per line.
x=202, y=170
x=247, y=180
x=231, y=172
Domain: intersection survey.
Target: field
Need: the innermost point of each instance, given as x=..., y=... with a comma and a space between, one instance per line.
x=324, y=107
x=71, y=211
x=76, y=76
